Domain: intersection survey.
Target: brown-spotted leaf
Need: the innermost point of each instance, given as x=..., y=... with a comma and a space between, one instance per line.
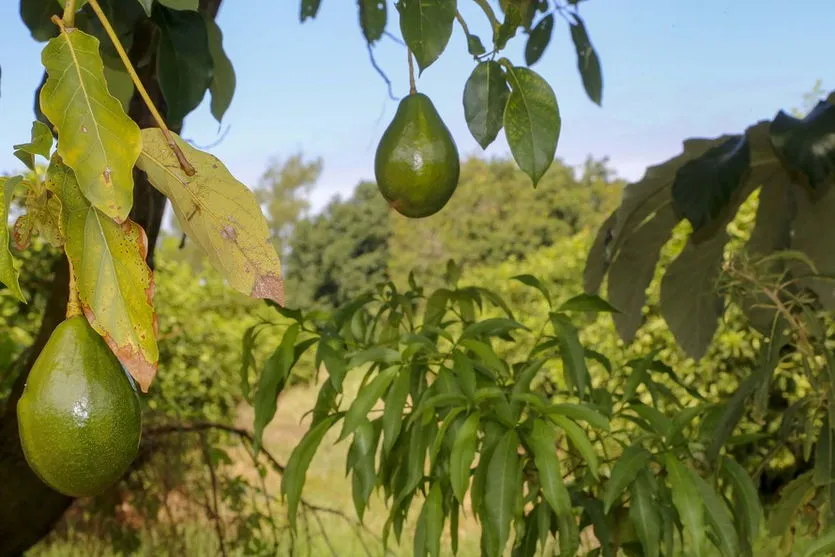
x=115, y=285
x=219, y=213
x=95, y=136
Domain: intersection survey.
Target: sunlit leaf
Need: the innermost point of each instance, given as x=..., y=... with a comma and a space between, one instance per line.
x=366, y=399
x=95, y=136
x=688, y=502
x=426, y=26
x=485, y=97
x=39, y=144
x=500, y=491
x=8, y=270
x=219, y=213
x=626, y=469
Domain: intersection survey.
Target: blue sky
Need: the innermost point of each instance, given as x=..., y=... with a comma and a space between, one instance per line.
x=672, y=69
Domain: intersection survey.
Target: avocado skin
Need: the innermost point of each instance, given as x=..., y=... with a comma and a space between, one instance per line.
x=79, y=416
x=416, y=164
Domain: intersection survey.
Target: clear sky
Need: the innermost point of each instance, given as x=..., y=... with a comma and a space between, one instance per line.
x=672, y=69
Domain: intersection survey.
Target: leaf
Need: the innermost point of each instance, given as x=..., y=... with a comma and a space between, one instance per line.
x=824, y=471
x=572, y=353
x=643, y=513
x=474, y=45
x=366, y=399
x=494, y=326
x=485, y=97
x=627, y=467
x=222, y=86
x=309, y=9
x=821, y=546
x=40, y=144
x=580, y=412
x=813, y=221
x=147, y=5
x=8, y=270
x=598, y=259
x=792, y=498
x=533, y=282
x=372, y=19
x=588, y=302
x=747, y=506
x=538, y=39
x=690, y=302
x=119, y=83
x=361, y=459
x=272, y=380
x=687, y=501
x=36, y=15
x=718, y=516
x=531, y=121
x=542, y=440
x=587, y=60
x=219, y=213
x=805, y=146
x=462, y=454
x=486, y=354
x=180, y=4
x=95, y=136
x=295, y=473
x=500, y=491
x=184, y=61
x=580, y=441
x=115, y=285
x=433, y=519
x=426, y=26
x=393, y=413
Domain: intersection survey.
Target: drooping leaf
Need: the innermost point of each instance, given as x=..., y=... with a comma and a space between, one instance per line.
x=115, y=285
x=361, y=461
x=491, y=327
x=588, y=302
x=747, y=506
x=572, y=353
x=95, y=136
x=542, y=440
x=587, y=60
x=37, y=14
x=533, y=282
x=806, y=146
x=718, y=516
x=426, y=26
x=792, y=498
x=627, y=467
x=688, y=502
x=309, y=9
x=222, y=86
x=538, y=39
x=580, y=412
x=433, y=517
x=372, y=19
x=485, y=97
x=822, y=546
x=462, y=454
x=643, y=513
x=580, y=441
x=184, y=61
x=272, y=380
x=366, y=399
x=40, y=144
x=500, y=492
x=531, y=121
x=393, y=413
x=218, y=212
x=598, y=258
x=147, y=5
x=8, y=270
x=295, y=473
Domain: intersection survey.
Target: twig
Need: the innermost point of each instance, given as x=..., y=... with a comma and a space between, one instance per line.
x=216, y=510
x=380, y=71
x=488, y=11
x=412, y=88
x=69, y=13
x=325, y=535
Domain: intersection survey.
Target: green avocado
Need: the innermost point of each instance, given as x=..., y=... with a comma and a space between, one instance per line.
x=79, y=415
x=417, y=164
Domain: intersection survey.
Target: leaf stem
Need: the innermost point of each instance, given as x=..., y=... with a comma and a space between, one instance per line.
x=69, y=13
x=412, y=87
x=181, y=157
x=73, y=303
x=491, y=15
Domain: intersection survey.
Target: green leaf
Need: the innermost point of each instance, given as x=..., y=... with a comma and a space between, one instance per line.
x=474, y=45
x=492, y=327
x=531, y=121
x=538, y=39
x=95, y=136
x=184, y=61
x=8, y=270
x=587, y=60
x=115, y=285
x=821, y=546
x=309, y=9
x=426, y=26
x=747, y=506
x=453, y=525
x=718, y=516
x=688, y=502
x=533, y=282
x=588, y=302
x=435, y=448
x=40, y=144
x=36, y=15
x=580, y=412
x=542, y=440
x=432, y=515
x=485, y=97
x=393, y=413
x=661, y=424
x=580, y=441
x=805, y=146
x=500, y=492
x=147, y=5
x=486, y=354
x=462, y=454
x=792, y=498
x=643, y=513
x=217, y=212
x=825, y=455
x=372, y=19
x=361, y=459
x=464, y=373
x=271, y=383
x=181, y=4
x=295, y=473
x=626, y=469
x=366, y=399
x=222, y=86
x=334, y=363
x=572, y=353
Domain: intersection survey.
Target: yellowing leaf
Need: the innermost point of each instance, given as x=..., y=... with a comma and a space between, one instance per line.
x=115, y=285
x=219, y=213
x=8, y=272
x=95, y=136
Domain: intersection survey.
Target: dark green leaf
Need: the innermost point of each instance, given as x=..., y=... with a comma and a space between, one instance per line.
x=372, y=19
x=426, y=26
x=334, y=363
x=492, y=327
x=792, y=498
x=587, y=61
x=531, y=121
x=147, y=5
x=688, y=502
x=464, y=372
x=492, y=434
x=580, y=441
x=747, y=506
x=461, y=457
x=486, y=354
x=379, y=354
x=223, y=81
x=37, y=14
x=361, y=459
x=823, y=545
x=806, y=147
x=572, y=353
x=500, y=492
x=485, y=97
x=453, y=525
x=580, y=412
x=435, y=448
x=594, y=511
x=272, y=381
x=366, y=399
x=533, y=282
x=293, y=479
x=474, y=45
x=433, y=521
x=538, y=39
x=825, y=455
x=718, y=516
x=588, y=302
x=184, y=62
x=643, y=512
x=626, y=469
x=661, y=424
x=393, y=413
x=309, y=9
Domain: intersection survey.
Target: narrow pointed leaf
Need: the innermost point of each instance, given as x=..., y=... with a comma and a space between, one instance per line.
x=626, y=469
x=533, y=282
x=462, y=454
x=8, y=271
x=366, y=399
x=688, y=502
x=272, y=380
x=588, y=302
x=572, y=353
x=792, y=498
x=580, y=441
x=538, y=39
x=501, y=489
x=643, y=512
x=823, y=545
x=747, y=506
x=361, y=456
x=393, y=412
x=222, y=86
x=718, y=516
x=587, y=61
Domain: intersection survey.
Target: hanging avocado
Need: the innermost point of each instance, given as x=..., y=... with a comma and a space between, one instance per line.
x=417, y=164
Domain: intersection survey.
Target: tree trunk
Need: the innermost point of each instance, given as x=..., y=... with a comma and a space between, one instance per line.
x=28, y=508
